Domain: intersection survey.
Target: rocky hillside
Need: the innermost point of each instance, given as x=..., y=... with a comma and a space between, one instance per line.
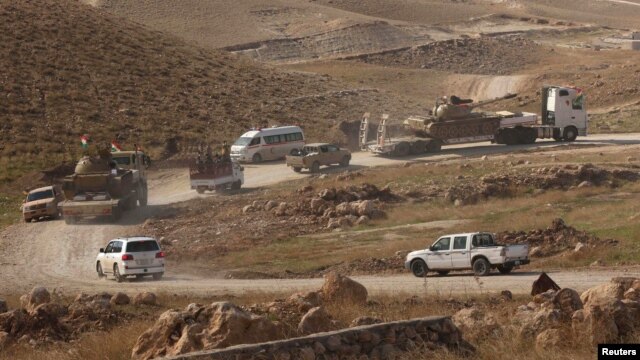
x=69, y=69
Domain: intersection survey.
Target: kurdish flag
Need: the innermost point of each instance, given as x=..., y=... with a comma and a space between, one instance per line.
x=115, y=146
x=85, y=141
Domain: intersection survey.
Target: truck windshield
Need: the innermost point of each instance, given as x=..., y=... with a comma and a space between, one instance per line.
x=122, y=160
x=243, y=141
x=480, y=240
x=39, y=195
x=140, y=246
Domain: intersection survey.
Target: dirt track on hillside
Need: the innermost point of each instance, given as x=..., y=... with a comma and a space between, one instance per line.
x=61, y=256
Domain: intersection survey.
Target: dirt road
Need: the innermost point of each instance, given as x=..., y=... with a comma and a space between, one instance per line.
x=62, y=256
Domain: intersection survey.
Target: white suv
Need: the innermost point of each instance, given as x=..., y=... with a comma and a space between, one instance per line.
x=131, y=256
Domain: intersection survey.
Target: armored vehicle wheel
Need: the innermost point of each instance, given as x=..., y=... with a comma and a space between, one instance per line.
x=143, y=199
x=200, y=190
x=297, y=169
x=510, y=137
x=345, y=161
x=236, y=185
x=434, y=146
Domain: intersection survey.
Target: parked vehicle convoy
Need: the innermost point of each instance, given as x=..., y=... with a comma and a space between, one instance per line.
x=313, y=156
x=271, y=143
x=131, y=256
x=105, y=186
x=453, y=121
x=216, y=176
x=477, y=251
x=43, y=202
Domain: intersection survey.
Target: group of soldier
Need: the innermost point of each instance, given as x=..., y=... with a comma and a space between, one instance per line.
x=207, y=160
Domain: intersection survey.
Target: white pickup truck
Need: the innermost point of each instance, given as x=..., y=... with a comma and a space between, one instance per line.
x=477, y=251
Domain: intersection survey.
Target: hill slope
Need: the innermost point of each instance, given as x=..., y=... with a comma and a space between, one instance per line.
x=70, y=69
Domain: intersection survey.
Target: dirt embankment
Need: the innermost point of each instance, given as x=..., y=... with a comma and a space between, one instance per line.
x=484, y=56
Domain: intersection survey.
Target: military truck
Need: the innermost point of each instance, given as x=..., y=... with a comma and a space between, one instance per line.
x=454, y=121
x=105, y=186
x=312, y=156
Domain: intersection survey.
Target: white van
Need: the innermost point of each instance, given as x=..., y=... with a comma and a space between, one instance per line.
x=267, y=144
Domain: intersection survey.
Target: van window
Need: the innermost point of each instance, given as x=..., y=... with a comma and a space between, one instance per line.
x=243, y=141
x=255, y=141
x=272, y=139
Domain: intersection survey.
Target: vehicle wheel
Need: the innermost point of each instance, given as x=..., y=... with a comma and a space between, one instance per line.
x=145, y=194
x=345, y=161
x=481, y=267
x=402, y=149
x=570, y=133
x=27, y=220
x=257, y=158
x=297, y=169
x=236, y=185
x=315, y=167
x=418, y=147
x=526, y=135
x=116, y=274
x=504, y=269
x=100, y=272
x=419, y=268
x=443, y=272
x=200, y=190
x=294, y=152
x=56, y=216
x=157, y=276
x=434, y=146
x=511, y=137
x=139, y=276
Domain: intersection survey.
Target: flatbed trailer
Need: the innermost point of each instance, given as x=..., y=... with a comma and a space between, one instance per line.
x=562, y=120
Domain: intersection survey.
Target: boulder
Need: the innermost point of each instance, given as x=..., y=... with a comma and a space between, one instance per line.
x=318, y=206
x=247, y=209
x=567, y=301
x=580, y=247
x=145, y=298
x=327, y=194
x=215, y=326
x=343, y=209
x=281, y=210
x=549, y=338
x=305, y=301
x=544, y=282
x=364, y=208
x=595, y=324
x=475, y=323
x=270, y=205
x=544, y=297
x=602, y=293
x=532, y=323
x=37, y=296
x=120, y=298
x=363, y=220
x=341, y=289
x=314, y=321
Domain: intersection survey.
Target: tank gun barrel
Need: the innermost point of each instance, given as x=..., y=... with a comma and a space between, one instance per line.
x=491, y=101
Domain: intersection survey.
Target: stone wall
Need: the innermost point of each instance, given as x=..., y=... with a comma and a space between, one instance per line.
x=378, y=341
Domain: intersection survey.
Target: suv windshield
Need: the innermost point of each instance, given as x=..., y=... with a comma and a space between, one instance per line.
x=140, y=246
x=39, y=195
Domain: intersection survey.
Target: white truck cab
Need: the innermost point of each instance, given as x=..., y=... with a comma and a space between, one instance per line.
x=564, y=111
x=477, y=251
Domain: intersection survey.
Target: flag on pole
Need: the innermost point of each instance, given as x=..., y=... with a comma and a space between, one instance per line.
x=115, y=146
x=85, y=141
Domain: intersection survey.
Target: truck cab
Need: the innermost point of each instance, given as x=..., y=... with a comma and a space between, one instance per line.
x=132, y=160
x=477, y=251
x=564, y=109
